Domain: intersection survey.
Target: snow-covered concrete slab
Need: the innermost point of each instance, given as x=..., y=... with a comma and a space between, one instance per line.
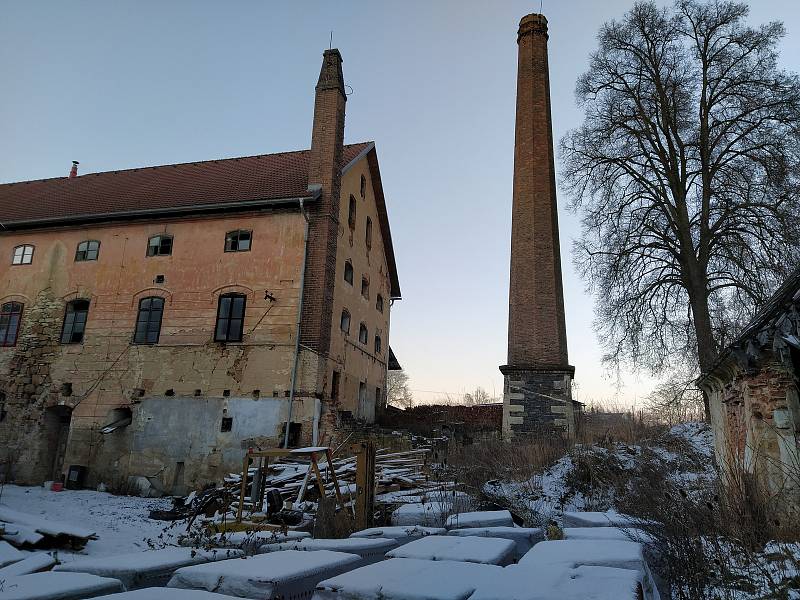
x=9, y=554
x=148, y=568
x=370, y=550
x=287, y=574
x=400, y=534
x=32, y=563
x=252, y=540
x=162, y=593
x=582, y=583
x=58, y=586
x=484, y=550
x=524, y=538
x=483, y=518
x=597, y=553
x=606, y=533
x=42, y=525
x=408, y=579
x=598, y=519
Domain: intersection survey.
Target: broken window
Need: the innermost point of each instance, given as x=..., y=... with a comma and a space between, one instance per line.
x=23, y=255
x=344, y=323
x=365, y=287
x=227, y=424
x=88, y=250
x=363, y=187
x=159, y=245
x=148, y=322
x=351, y=214
x=75, y=322
x=10, y=317
x=230, y=318
x=379, y=303
x=335, y=385
x=238, y=241
x=378, y=346
x=363, y=334
x=368, y=235
x=348, y=272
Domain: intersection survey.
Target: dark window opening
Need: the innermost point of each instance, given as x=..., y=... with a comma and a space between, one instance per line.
x=227, y=424
x=226, y=393
x=378, y=346
x=23, y=255
x=351, y=213
x=159, y=279
x=198, y=393
x=335, y=385
x=159, y=245
x=275, y=393
x=363, y=333
x=368, y=235
x=348, y=272
x=256, y=393
x=66, y=389
x=75, y=322
x=88, y=250
x=148, y=321
x=2, y=407
x=238, y=241
x=10, y=318
x=169, y=392
x=379, y=303
x=363, y=187
x=365, y=287
x=294, y=435
x=377, y=396
x=230, y=318
x=344, y=323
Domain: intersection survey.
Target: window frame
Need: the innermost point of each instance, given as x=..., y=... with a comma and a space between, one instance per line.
x=365, y=287
x=8, y=314
x=363, y=186
x=378, y=344
x=85, y=251
x=161, y=237
x=65, y=326
x=229, y=338
x=23, y=254
x=149, y=312
x=351, y=212
x=363, y=329
x=349, y=273
x=379, y=303
x=368, y=234
x=345, y=314
x=229, y=241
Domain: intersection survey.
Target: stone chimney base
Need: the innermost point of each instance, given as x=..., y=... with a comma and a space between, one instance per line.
x=538, y=399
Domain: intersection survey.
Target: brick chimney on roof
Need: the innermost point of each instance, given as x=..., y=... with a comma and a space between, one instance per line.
x=538, y=374
x=73, y=172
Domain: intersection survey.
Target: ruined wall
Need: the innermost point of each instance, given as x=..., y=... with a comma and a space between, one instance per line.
x=106, y=371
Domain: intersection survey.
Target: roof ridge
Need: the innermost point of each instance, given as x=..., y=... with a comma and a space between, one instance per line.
x=179, y=164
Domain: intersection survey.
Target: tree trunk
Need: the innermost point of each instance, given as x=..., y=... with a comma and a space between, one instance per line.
x=706, y=345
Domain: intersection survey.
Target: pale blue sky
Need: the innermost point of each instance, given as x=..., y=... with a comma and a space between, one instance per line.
x=124, y=84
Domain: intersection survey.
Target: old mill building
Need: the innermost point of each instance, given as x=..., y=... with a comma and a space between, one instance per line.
x=159, y=321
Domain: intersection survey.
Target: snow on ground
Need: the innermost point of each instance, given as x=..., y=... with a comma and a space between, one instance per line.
x=121, y=522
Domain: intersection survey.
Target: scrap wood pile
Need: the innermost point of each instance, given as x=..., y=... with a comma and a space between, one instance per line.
x=29, y=531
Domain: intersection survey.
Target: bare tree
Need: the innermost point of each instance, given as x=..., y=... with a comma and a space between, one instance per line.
x=479, y=396
x=686, y=170
x=397, y=392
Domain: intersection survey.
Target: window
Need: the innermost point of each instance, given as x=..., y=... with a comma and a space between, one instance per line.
x=351, y=215
x=238, y=241
x=230, y=318
x=75, y=322
x=10, y=316
x=378, y=345
x=378, y=396
x=363, y=187
x=335, y=385
x=344, y=323
x=363, y=333
x=227, y=424
x=148, y=322
x=368, y=237
x=88, y=250
x=365, y=287
x=23, y=255
x=348, y=272
x=159, y=245
x=379, y=303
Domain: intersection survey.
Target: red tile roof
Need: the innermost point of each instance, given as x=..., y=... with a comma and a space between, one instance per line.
x=168, y=187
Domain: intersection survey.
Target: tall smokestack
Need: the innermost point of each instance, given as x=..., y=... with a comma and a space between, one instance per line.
x=73, y=172
x=538, y=375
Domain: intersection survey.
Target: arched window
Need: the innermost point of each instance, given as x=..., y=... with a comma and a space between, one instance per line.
x=344, y=323
x=363, y=334
x=10, y=317
x=365, y=287
x=351, y=213
x=378, y=346
x=159, y=245
x=230, y=318
x=238, y=241
x=88, y=250
x=23, y=255
x=348, y=272
x=148, y=321
x=75, y=322
x=379, y=303
x=368, y=235
x=363, y=187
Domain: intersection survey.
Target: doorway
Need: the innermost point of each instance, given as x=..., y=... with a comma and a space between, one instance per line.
x=56, y=433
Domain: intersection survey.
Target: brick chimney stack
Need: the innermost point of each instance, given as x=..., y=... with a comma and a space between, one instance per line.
x=325, y=175
x=73, y=172
x=538, y=374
